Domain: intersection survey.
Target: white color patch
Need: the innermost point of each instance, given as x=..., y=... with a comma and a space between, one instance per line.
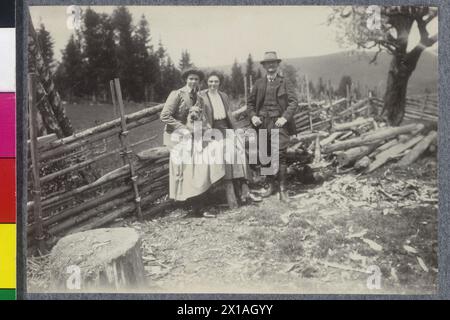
x=7, y=60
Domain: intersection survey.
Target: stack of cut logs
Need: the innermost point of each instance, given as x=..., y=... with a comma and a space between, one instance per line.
x=351, y=133
x=364, y=144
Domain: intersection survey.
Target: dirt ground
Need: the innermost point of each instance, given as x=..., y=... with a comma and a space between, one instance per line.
x=331, y=238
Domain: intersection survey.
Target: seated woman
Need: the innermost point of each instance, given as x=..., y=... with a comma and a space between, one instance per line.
x=217, y=111
x=188, y=177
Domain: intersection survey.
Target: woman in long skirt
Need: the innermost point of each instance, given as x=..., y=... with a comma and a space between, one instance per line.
x=188, y=177
x=217, y=109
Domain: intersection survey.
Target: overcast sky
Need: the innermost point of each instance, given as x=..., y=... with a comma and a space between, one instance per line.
x=216, y=35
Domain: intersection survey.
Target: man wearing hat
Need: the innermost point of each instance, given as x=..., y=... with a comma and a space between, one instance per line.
x=271, y=105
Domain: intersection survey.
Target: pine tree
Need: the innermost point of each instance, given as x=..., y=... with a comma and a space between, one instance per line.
x=46, y=44
x=185, y=61
x=92, y=47
x=258, y=74
x=107, y=62
x=226, y=85
x=70, y=72
x=237, y=80
x=249, y=71
x=312, y=89
x=126, y=52
x=346, y=81
x=290, y=73
x=161, y=53
x=147, y=68
x=320, y=87
x=171, y=78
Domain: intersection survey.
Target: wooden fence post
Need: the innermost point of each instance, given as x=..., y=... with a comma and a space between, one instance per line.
x=245, y=89
x=425, y=102
x=116, y=112
x=36, y=190
x=349, y=101
x=308, y=98
x=113, y=98
x=330, y=98
x=126, y=151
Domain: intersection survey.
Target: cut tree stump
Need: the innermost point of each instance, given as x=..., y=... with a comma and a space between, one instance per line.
x=106, y=260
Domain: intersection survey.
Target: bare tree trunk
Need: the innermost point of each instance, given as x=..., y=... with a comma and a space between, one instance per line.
x=400, y=70
x=395, y=95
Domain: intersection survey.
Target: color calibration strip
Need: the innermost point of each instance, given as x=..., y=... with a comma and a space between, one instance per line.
x=7, y=151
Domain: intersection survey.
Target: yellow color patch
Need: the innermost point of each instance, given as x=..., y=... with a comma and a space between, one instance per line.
x=7, y=256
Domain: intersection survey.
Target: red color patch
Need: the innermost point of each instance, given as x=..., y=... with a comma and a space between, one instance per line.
x=7, y=190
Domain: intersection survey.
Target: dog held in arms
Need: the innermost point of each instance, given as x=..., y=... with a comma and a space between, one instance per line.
x=196, y=121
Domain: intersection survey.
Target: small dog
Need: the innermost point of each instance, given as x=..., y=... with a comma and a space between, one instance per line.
x=194, y=117
x=195, y=114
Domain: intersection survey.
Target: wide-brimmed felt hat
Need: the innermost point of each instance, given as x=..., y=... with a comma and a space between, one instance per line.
x=189, y=71
x=270, y=56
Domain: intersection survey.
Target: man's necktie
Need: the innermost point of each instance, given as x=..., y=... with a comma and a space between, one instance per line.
x=193, y=97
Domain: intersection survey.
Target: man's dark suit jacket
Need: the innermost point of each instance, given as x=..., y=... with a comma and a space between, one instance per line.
x=286, y=98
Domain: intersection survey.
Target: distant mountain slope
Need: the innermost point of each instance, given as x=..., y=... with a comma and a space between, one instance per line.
x=334, y=66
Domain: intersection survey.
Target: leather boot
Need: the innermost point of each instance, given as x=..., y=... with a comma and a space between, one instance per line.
x=247, y=196
x=282, y=173
x=270, y=187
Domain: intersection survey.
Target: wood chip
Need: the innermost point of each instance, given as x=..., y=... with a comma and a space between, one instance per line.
x=422, y=264
x=342, y=267
x=358, y=234
x=409, y=249
x=375, y=246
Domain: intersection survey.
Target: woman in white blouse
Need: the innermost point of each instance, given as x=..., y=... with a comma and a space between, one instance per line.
x=217, y=110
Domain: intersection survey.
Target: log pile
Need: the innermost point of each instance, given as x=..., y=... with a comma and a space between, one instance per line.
x=364, y=145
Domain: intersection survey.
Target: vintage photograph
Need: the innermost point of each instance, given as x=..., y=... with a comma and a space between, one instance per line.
x=232, y=149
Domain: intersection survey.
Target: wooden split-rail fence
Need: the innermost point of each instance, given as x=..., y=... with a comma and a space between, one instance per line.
x=95, y=176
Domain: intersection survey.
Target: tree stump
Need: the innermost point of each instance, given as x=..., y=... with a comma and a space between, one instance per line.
x=107, y=259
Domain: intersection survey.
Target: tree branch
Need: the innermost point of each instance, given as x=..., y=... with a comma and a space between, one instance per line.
x=391, y=47
x=425, y=38
x=431, y=15
x=431, y=40
x=374, y=58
